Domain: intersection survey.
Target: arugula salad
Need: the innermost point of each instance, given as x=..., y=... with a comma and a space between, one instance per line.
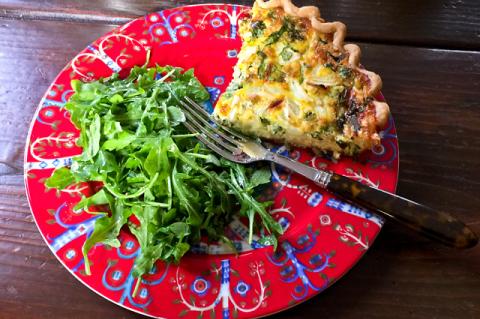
x=152, y=168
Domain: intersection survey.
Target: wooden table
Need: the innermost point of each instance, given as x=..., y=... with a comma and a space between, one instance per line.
x=428, y=53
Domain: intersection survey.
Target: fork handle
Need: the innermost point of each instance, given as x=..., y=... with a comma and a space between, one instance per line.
x=437, y=225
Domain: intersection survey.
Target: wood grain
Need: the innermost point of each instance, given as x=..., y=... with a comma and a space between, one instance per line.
x=433, y=23
x=434, y=96
x=31, y=55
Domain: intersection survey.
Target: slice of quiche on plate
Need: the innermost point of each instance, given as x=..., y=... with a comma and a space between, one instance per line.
x=296, y=82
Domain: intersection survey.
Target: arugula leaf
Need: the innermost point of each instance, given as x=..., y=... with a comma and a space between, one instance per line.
x=99, y=198
x=61, y=178
x=122, y=141
x=175, y=115
x=106, y=231
x=92, y=136
x=134, y=143
x=117, y=98
x=259, y=177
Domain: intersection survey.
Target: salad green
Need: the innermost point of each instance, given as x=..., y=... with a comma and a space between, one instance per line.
x=152, y=168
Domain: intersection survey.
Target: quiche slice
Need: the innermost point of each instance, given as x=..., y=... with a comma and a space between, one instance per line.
x=296, y=82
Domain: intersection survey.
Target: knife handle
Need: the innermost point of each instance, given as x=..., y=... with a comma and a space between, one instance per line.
x=437, y=225
x=434, y=224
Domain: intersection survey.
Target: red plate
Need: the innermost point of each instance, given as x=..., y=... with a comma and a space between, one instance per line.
x=324, y=236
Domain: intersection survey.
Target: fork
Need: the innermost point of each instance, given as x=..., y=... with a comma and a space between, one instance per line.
x=236, y=147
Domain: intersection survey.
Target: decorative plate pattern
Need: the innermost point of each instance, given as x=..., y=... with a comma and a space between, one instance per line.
x=324, y=236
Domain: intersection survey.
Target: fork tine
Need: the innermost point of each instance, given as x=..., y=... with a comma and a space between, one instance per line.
x=205, y=119
x=206, y=131
x=201, y=110
x=210, y=144
x=197, y=106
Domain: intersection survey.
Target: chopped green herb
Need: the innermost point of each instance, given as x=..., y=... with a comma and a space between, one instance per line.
x=264, y=121
x=294, y=33
x=275, y=36
x=275, y=73
x=257, y=28
x=262, y=54
x=309, y=116
x=288, y=27
x=286, y=53
x=327, y=129
x=302, y=72
x=345, y=72
x=278, y=130
x=329, y=65
x=263, y=64
x=272, y=14
x=153, y=168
